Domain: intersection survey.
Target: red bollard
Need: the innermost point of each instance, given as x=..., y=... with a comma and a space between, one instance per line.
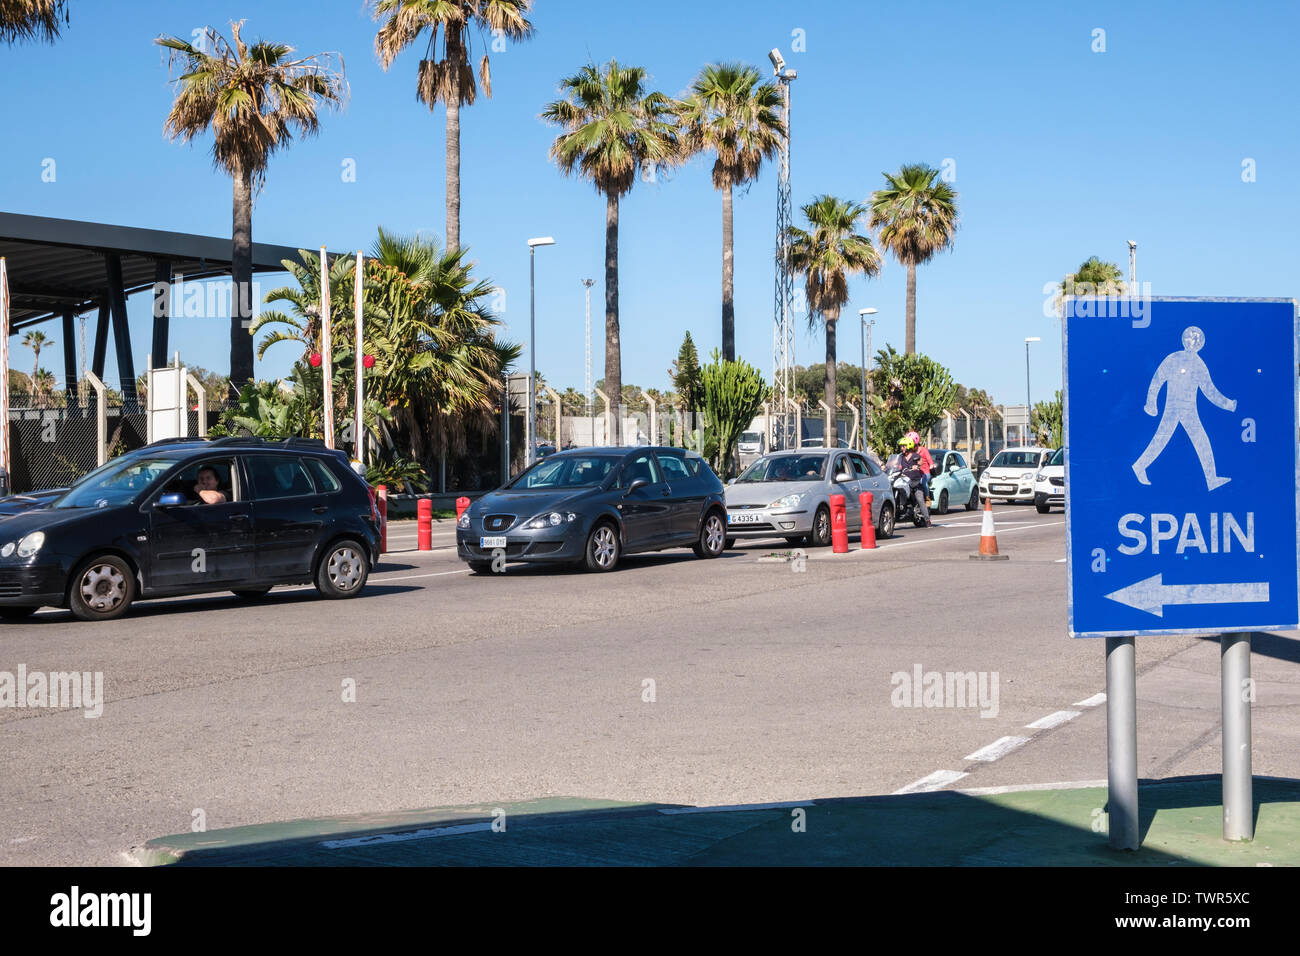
x=381, y=492
x=461, y=504
x=424, y=524
x=868, y=537
x=839, y=526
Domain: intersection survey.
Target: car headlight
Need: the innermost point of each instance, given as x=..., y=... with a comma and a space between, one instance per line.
x=789, y=501
x=463, y=520
x=31, y=544
x=550, y=520
x=1026, y=476
x=7, y=550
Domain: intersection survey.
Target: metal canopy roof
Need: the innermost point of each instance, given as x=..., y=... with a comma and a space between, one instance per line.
x=57, y=265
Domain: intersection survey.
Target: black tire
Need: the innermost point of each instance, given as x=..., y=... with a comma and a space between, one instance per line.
x=942, y=508
x=251, y=594
x=820, y=535
x=918, y=520
x=481, y=567
x=731, y=543
x=101, y=589
x=343, y=570
x=795, y=539
x=603, y=548
x=17, y=613
x=974, y=500
x=1042, y=506
x=712, y=540
x=885, y=526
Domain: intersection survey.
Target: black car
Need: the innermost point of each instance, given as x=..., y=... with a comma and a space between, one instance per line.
x=191, y=516
x=589, y=506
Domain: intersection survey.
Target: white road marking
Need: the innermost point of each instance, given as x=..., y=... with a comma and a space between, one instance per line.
x=1053, y=720
x=1092, y=701
x=999, y=748
x=426, y=834
x=736, y=807
x=1059, y=561
x=1017, y=788
x=935, y=781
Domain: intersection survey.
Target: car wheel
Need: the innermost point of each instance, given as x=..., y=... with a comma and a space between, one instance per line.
x=885, y=529
x=974, y=500
x=731, y=543
x=820, y=536
x=17, y=613
x=343, y=570
x=102, y=589
x=713, y=537
x=251, y=594
x=603, y=549
x=1041, y=504
x=942, y=508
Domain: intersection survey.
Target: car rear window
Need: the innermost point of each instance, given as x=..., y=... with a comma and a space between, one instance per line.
x=326, y=480
x=279, y=476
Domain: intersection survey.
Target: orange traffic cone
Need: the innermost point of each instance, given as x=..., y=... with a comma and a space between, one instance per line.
x=988, y=537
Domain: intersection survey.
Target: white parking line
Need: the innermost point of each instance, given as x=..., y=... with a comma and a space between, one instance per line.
x=1092, y=701
x=935, y=781
x=1053, y=720
x=999, y=748
x=736, y=807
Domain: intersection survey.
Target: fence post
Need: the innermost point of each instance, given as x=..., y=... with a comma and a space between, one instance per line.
x=101, y=418
x=202, y=394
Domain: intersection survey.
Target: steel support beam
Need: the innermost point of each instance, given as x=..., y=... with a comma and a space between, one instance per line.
x=162, y=310
x=70, y=357
x=121, y=334
x=101, y=339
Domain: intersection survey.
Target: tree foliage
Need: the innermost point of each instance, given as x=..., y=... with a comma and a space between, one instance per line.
x=733, y=395
x=911, y=393
x=1048, y=422
x=686, y=376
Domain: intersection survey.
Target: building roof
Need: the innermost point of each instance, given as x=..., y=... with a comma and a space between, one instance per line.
x=57, y=265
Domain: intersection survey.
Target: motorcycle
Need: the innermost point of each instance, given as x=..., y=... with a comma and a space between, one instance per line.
x=905, y=508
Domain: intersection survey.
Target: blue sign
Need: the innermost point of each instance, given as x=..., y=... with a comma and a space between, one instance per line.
x=1181, y=467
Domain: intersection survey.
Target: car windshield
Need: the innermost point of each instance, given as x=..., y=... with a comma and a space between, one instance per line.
x=1015, y=459
x=115, y=483
x=785, y=468
x=1059, y=457
x=565, y=471
x=749, y=438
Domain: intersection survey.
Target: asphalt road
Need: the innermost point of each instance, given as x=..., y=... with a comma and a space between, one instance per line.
x=670, y=680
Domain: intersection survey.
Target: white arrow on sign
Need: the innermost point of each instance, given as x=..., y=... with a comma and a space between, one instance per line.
x=1152, y=596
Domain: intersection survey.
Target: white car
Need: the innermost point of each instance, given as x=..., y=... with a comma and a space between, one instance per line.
x=1011, y=474
x=1049, y=484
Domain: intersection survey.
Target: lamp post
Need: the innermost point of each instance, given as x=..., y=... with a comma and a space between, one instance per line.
x=1029, y=403
x=531, y=423
x=866, y=328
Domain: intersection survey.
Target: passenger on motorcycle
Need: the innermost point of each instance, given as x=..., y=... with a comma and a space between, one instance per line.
x=927, y=462
x=914, y=471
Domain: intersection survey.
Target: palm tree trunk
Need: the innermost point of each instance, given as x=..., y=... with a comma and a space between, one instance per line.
x=728, y=279
x=613, y=353
x=910, y=345
x=241, y=274
x=454, y=54
x=831, y=318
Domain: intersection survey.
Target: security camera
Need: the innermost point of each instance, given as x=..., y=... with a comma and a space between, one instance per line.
x=778, y=61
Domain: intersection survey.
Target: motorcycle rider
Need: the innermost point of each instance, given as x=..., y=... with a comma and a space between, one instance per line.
x=927, y=462
x=914, y=471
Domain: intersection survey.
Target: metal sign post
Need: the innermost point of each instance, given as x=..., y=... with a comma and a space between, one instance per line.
x=1177, y=413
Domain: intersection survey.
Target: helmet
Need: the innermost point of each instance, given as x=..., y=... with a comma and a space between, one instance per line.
x=916, y=439
x=907, y=442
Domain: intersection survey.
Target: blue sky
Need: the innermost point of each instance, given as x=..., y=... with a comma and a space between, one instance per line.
x=1059, y=153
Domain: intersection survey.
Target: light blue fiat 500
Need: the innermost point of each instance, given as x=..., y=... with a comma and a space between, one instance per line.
x=952, y=482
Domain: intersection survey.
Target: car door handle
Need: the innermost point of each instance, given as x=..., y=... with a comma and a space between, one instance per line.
x=320, y=509
x=242, y=519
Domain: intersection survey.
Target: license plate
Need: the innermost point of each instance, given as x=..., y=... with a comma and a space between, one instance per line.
x=1001, y=488
x=740, y=518
x=498, y=542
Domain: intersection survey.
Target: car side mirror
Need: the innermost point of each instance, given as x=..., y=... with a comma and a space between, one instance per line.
x=731, y=481
x=171, y=499
x=953, y=468
x=843, y=476
x=635, y=486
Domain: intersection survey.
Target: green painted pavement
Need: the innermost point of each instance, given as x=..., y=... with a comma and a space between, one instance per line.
x=1180, y=824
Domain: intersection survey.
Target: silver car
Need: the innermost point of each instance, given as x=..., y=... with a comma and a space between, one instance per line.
x=787, y=495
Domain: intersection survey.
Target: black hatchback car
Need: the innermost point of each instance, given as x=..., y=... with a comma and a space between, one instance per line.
x=590, y=506
x=192, y=516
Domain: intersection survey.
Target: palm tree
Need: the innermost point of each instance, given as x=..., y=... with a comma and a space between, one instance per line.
x=736, y=117
x=303, y=324
x=32, y=19
x=827, y=254
x=1094, y=277
x=449, y=78
x=36, y=341
x=916, y=217
x=43, y=383
x=612, y=129
x=254, y=98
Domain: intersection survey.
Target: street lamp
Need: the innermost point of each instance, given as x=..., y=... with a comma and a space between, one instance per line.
x=531, y=423
x=1029, y=404
x=866, y=327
